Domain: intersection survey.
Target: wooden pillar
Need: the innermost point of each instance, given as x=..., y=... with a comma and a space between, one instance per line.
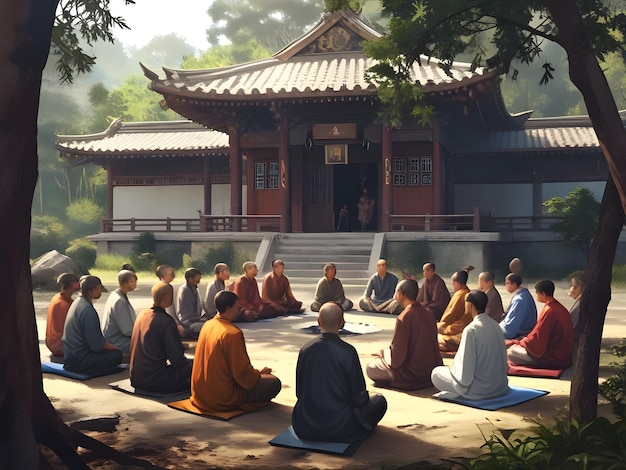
x=235, y=176
x=385, y=199
x=110, y=175
x=208, y=209
x=296, y=179
x=284, y=184
x=437, y=170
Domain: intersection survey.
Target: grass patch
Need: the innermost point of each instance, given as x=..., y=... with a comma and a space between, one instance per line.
x=619, y=276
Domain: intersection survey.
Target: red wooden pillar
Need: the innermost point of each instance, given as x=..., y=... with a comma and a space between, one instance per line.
x=284, y=184
x=235, y=175
x=110, y=175
x=385, y=200
x=437, y=170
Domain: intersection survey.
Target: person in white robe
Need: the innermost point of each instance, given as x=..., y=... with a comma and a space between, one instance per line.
x=480, y=366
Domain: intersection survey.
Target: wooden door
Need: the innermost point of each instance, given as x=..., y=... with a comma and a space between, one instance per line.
x=318, y=212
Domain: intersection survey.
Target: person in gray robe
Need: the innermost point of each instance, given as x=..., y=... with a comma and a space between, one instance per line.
x=84, y=347
x=330, y=289
x=189, y=304
x=222, y=274
x=119, y=315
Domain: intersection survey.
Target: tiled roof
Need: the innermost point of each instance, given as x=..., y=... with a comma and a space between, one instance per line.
x=166, y=138
x=526, y=140
x=301, y=76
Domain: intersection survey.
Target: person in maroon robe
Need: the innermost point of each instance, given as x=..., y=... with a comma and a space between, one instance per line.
x=414, y=351
x=251, y=305
x=277, y=291
x=434, y=294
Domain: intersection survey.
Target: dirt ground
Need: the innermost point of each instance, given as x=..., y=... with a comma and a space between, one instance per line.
x=416, y=427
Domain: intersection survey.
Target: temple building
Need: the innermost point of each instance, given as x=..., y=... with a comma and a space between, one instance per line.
x=282, y=144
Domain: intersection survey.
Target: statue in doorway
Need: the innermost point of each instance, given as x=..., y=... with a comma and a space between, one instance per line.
x=366, y=209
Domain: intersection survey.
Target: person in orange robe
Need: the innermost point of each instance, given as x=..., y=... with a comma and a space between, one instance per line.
x=222, y=378
x=456, y=316
x=57, y=311
x=251, y=305
x=277, y=291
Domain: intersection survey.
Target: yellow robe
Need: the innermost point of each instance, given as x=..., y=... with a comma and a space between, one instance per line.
x=454, y=320
x=222, y=372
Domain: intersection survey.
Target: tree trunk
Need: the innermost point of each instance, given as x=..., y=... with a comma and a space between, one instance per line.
x=586, y=74
x=26, y=415
x=593, y=305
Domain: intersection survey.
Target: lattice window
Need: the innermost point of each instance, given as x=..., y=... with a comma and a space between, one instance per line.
x=259, y=175
x=414, y=164
x=399, y=165
x=414, y=179
x=427, y=179
x=272, y=176
x=427, y=164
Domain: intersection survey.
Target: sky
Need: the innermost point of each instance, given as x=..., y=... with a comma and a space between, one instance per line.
x=149, y=18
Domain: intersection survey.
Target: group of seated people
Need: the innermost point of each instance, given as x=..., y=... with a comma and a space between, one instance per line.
x=333, y=403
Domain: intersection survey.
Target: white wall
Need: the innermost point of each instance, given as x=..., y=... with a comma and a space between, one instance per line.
x=562, y=189
x=497, y=200
x=181, y=202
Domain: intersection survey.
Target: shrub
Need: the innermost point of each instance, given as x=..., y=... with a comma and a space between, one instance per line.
x=224, y=253
x=83, y=253
x=46, y=233
x=614, y=388
x=84, y=211
x=111, y=262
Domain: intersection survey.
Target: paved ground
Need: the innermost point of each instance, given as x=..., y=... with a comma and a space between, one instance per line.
x=416, y=427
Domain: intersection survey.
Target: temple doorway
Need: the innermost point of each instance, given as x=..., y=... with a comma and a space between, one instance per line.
x=348, y=183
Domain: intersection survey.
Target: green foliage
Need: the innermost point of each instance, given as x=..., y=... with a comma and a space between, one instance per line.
x=83, y=253
x=224, y=253
x=614, y=388
x=222, y=55
x=618, y=276
x=84, y=211
x=565, y=445
x=47, y=233
x=336, y=5
x=579, y=211
x=146, y=243
x=273, y=23
x=110, y=262
x=76, y=20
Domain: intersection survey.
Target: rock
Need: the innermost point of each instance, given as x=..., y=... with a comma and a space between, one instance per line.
x=49, y=266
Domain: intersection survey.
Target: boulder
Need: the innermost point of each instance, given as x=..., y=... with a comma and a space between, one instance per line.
x=49, y=266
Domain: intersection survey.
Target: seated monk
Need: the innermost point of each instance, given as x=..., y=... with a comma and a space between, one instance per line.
x=189, y=304
x=550, y=343
x=251, y=305
x=434, y=294
x=222, y=274
x=57, y=312
x=333, y=403
x=84, y=347
x=380, y=291
x=119, y=314
x=456, y=316
x=414, y=352
x=277, y=291
x=223, y=378
x=330, y=289
x=479, y=368
x=157, y=358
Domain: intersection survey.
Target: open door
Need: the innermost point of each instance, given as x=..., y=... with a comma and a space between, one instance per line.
x=318, y=214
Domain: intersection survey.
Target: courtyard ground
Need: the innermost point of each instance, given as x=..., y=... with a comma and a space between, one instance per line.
x=416, y=427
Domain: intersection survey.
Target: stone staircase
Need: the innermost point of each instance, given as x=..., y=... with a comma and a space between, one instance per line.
x=305, y=255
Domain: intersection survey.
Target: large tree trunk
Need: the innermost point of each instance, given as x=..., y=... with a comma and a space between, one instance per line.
x=593, y=305
x=586, y=74
x=26, y=415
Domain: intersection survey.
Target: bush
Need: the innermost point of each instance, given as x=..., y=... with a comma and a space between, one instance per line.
x=46, y=233
x=146, y=243
x=84, y=211
x=614, y=388
x=111, y=262
x=224, y=253
x=83, y=253
x=413, y=258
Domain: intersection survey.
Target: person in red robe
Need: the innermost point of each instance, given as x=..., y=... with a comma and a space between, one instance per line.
x=251, y=306
x=550, y=343
x=434, y=294
x=277, y=291
x=414, y=351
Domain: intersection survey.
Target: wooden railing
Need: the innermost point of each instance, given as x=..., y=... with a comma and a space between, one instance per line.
x=205, y=223
x=519, y=224
x=430, y=222
x=149, y=225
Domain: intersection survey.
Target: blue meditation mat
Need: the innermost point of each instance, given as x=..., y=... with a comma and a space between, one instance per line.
x=515, y=396
x=57, y=369
x=126, y=387
x=289, y=438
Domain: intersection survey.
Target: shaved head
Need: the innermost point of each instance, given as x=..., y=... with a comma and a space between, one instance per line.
x=330, y=317
x=162, y=293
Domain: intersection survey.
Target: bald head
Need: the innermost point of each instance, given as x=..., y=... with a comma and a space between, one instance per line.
x=162, y=294
x=409, y=288
x=330, y=317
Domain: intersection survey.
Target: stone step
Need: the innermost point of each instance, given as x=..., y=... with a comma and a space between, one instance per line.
x=317, y=273
x=318, y=266
x=322, y=250
x=322, y=257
